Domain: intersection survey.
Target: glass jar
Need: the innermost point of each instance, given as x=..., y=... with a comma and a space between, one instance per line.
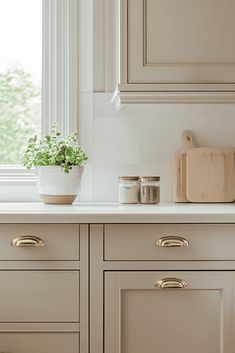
x=150, y=190
x=129, y=189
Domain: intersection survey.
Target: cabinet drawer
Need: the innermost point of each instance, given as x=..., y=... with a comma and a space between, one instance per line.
x=39, y=296
x=61, y=242
x=39, y=342
x=151, y=242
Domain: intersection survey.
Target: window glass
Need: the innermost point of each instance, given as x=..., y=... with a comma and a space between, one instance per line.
x=20, y=76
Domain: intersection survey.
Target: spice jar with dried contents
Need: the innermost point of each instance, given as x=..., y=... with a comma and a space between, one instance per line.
x=129, y=189
x=150, y=190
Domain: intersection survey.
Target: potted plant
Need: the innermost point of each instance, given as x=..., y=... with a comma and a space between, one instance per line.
x=58, y=165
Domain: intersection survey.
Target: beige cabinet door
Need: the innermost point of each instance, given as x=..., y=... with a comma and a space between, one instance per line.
x=175, y=51
x=184, y=41
x=148, y=312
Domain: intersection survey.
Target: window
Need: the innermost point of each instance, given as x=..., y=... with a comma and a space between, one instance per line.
x=20, y=76
x=38, y=38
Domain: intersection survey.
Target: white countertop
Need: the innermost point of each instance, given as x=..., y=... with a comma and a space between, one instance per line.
x=27, y=212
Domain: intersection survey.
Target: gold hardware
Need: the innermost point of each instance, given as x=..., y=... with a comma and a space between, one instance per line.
x=172, y=241
x=171, y=283
x=28, y=241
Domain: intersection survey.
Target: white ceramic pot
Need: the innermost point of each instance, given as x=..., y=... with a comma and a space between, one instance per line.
x=57, y=187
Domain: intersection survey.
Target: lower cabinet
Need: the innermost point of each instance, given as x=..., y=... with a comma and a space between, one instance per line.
x=39, y=342
x=122, y=289
x=44, y=288
x=162, y=288
x=168, y=312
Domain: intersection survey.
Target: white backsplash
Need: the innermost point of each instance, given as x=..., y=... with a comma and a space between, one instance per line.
x=141, y=139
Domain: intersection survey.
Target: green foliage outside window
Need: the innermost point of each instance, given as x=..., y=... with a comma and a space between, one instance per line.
x=20, y=114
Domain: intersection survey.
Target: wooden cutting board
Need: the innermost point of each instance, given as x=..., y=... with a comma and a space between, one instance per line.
x=179, y=168
x=210, y=175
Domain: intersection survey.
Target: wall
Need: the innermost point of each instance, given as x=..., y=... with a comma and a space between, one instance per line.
x=141, y=140
x=138, y=139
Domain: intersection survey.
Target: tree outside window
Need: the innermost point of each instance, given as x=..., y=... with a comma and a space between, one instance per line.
x=20, y=76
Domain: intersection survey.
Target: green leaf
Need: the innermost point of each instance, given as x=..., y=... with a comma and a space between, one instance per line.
x=54, y=150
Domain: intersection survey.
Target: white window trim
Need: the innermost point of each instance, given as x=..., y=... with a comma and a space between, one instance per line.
x=60, y=78
x=16, y=175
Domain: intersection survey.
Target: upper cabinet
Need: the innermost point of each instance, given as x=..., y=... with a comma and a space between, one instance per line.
x=175, y=51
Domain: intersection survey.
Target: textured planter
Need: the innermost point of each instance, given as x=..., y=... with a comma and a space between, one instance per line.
x=57, y=187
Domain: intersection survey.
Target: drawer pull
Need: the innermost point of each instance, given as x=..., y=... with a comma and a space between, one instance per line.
x=171, y=283
x=28, y=241
x=172, y=241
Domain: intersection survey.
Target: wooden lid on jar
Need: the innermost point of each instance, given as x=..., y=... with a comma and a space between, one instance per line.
x=129, y=178
x=150, y=178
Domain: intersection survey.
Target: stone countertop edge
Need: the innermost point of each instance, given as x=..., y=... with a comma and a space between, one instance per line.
x=95, y=213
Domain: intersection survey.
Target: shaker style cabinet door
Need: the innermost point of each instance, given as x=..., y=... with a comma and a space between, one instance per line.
x=176, y=50
x=183, y=41
x=165, y=312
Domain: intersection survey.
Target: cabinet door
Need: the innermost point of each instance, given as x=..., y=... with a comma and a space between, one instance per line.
x=183, y=41
x=143, y=317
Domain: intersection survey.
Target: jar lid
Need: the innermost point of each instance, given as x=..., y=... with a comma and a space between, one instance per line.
x=150, y=178
x=134, y=178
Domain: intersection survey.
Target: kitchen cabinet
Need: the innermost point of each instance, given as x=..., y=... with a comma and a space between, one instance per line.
x=142, y=318
x=117, y=279
x=161, y=287
x=175, y=51
x=44, y=288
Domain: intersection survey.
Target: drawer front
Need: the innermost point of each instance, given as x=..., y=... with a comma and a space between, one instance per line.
x=151, y=242
x=39, y=342
x=60, y=242
x=39, y=296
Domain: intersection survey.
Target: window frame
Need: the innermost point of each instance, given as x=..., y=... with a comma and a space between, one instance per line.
x=59, y=79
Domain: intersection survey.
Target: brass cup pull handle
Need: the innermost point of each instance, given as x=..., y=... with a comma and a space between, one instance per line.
x=172, y=241
x=171, y=283
x=27, y=241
